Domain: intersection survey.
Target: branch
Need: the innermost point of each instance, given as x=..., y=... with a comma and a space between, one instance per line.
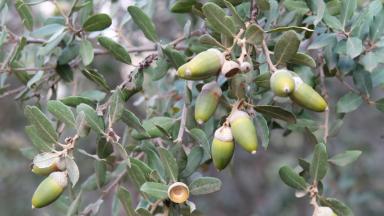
x=324, y=92
x=350, y=88
x=184, y=114
x=13, y=91
x=268, y=57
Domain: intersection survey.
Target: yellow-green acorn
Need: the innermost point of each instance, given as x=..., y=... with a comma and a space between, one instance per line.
x=57, y=164
x=307, y=97
x=222, y=147
x=230, y=68
x=206, y=102
x=202, y=66
x=282, y=83
x=49, y=189
x=243, y=130
x=178, y=192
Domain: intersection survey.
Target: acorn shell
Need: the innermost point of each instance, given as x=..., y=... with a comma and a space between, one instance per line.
x=202, y=66
x=282, y=83
x=222, y=147
x=207, y=101
x=230, y=68
x=178, y=192
x=307, y=97
x=49, y=189
x=243, y=130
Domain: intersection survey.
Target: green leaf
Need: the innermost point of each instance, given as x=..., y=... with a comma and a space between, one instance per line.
x=62, y=112
x=101, y=172
x=332, y=22
x=52, y=43
x=96, y=77
x=370, y=61
x=74, y=207
x=302, y=59
x=204, y=185
x=322, y=41
x=377, y=26
x=169, y=164
x=36, y=139
x=254, y=34
x=354, y=47
x=74, y=101
x=25, y=14
x=300, y=6
x=97, y=22
x=152, y=127
x=292, y=179
x=65, y=72
x=116, y=106
x=348, y=7
x=194, y=160
x=319, y=164
x=47, y=30
x=288, y=28
x=154, y=189
x=209, y=40
x=217, y=19
x=345, y=158
x=380, y=104
x=126, y=201
x=132, y=120
x=175, y=57
x=72, y=170
x=348, y=103
x=286, y=47
x=263, y=130
x=117, y=50
x=337, y=206
x=236, y=17
x=183, y=6
x=143, y=212
x=94, y=121
x=86, y=52
x=276, y=112
x=143, y=22
x=201, y=137
x=321, y=7
x=263, y=80
x=41, y=123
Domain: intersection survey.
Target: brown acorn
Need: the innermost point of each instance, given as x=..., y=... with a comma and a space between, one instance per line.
x=178, y=192
x=230, y=68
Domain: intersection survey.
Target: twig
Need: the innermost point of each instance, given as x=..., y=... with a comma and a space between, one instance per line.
x=11, y=92
x=324, y=92
x=268, y=57
x=254, y=11
x=184, y=114
x=154, y=206
x=349, y=87
x=180, y=39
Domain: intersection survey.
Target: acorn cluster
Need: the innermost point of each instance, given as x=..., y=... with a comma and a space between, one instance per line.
x=54, y=184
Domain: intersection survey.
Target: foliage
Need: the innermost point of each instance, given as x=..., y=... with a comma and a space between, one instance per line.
x=316, y=40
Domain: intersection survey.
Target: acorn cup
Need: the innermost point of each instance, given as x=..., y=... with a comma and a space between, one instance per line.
x=243, y=130
x=207, y=101
x=178, y=192
x=202, y=66
x=230, y=68
x=222, y=147
x=49, y=189
x=55, y=165
x=307, y=97
x=325, y=211
x=282, y=83
x=245, y=67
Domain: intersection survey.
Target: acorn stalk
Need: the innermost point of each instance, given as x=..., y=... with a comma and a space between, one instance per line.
x=207, y=101
x=243, y=130
x=202, y=66
x=282, y=83
x=178, y=192
x=49, y=189
x=222, y=147
x=307, y=97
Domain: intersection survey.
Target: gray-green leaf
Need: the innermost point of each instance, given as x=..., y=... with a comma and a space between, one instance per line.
x=319, y=164
x=143, y=22
x=94, y=121
x=62, y=112
x=286, y=47
x=157, y=190
x=204, y=185
x=292, y=179
x=126, y=201
x=117, y=50
x=97, y=22
x=345, y=158
x=41, y=123
x=169, y=164
x=217, y=19
x=25, y=14
x=86, y=52
x=348, y=103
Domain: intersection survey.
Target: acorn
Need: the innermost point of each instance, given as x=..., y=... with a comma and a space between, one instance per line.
x=49, y=189
x=307, y=97
x=282, y=83
x=245, y=67
x=222, y=147
x=57, y=164
x=202, y=66
x=178, y=192
x=230, y=68
x=243, y=130
x=207, y=101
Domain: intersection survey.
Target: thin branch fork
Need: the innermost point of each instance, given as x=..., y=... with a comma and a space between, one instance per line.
x=267, y=53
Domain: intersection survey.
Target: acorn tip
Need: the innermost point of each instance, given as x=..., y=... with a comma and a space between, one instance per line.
x=253, y=152
x=200, y=121
x=33, y=207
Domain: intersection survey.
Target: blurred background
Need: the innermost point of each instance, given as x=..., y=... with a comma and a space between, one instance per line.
x=251, y=186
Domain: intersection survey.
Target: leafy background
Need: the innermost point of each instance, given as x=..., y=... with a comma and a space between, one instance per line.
x=251, y=186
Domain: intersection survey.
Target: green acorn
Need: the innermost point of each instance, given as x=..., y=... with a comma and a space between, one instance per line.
x=282, y=83
x=206, y=102
x=178, y=192
x=243, y=130
x=49, y=189
x=222, y=147
x=202, y=66
x=307, y=97
x=57, y=164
